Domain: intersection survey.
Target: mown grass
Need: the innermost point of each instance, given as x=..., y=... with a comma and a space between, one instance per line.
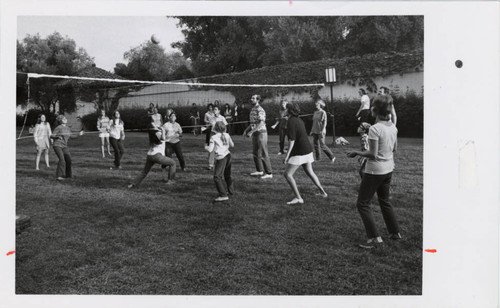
x=91, y=235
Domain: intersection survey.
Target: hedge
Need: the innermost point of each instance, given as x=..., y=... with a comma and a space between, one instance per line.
x=409, y=110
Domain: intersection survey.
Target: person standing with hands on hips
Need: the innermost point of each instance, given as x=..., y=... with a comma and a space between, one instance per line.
x=382, y=139
x=257, y=130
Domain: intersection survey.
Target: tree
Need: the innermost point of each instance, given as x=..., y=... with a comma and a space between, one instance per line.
x=149, y=61
x=54, y=54
x=218, y=45
x=222, y=44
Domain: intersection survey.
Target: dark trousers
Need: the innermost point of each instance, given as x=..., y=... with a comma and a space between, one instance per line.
x=208, y=134
x=64, y=164
x=118, y=149
x=319, y=144
x=195, y=123
x=171, y=148
x=365, y=116
x=156, y=159
x=282, y=132
x=260, y=152
x=222, y=176
x=380, y=184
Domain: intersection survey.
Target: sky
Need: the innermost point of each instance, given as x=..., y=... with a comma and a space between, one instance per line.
x=105, y=39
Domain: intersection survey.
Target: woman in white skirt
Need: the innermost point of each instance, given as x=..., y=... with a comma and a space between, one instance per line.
x=103, y=128
x=41, y=134
x=300, y=153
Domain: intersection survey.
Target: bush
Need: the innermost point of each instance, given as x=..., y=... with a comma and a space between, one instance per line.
x=409, y=110
x=33, y=117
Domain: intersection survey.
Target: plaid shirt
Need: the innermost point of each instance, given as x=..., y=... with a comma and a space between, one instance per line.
x=258, y=119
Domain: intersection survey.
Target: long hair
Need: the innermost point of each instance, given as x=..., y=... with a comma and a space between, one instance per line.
x=220, y=127
x=39, y=120
x=114, y=118
x=101, y=116
x=293, y=109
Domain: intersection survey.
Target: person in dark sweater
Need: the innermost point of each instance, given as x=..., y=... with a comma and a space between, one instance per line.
x=61, y=135
x=300, y=153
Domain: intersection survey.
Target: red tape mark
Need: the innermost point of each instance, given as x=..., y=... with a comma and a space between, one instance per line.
x=431, y=250
x=10, y=252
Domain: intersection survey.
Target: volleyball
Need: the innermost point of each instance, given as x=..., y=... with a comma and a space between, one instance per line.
x=155, y=39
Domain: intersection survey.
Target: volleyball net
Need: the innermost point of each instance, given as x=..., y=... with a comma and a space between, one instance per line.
x=81, y=100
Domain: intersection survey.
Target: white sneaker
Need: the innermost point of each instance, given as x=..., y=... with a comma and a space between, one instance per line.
x=279, y=153
x=219, y=199
x=295, y=201
x=267, y=176
x=333, y=160
x=257, y=173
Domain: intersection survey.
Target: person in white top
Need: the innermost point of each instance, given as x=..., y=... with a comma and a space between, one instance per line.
x=363, y=114
x=173, y=133
x=116, y=136
x=216, y=117
x=382, y=139
x=103, y=128
x=41, y=134
x=219, y=144
x=155, y=155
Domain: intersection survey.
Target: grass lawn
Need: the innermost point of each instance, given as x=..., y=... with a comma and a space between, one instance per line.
x=91, y=235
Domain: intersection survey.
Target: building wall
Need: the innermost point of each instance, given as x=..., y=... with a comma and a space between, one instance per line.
x=174, y=95
x=181, y=95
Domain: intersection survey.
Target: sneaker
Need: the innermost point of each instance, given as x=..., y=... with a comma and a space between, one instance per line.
x=60, y=178
x=372, y=243
x=296, y=201
x=322, y=195
x=280, y=153
x=395, y=236
x=130, y=186
x=333, y=160
x=257, y=173
x=210, y=168
x=267, y=176
x=170, y=182
x=220, y=199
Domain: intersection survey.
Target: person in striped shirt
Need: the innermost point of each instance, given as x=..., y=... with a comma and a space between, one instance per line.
x=103, y=128
x=257, y=130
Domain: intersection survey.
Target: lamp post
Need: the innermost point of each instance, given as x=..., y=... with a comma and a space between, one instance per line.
x=330, y=80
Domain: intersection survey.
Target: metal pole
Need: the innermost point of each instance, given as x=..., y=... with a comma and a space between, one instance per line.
x=333, y=115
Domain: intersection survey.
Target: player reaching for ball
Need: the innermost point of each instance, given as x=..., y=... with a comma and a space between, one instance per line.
x=155, y=155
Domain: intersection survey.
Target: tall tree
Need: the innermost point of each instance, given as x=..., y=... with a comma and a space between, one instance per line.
x=225, y=44
x=149, y=61
x=218, y=45
x=54, y=54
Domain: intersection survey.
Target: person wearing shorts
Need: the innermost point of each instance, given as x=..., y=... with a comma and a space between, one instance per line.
x=300, y=153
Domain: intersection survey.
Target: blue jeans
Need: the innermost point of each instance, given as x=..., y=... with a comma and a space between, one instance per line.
x=380, y=184
x=64, y=164
x=260, y=153
x=282, y=132
x=319, y=144
x=171, y=148
x=118, y=149
x=222, y=176
x=156, y=159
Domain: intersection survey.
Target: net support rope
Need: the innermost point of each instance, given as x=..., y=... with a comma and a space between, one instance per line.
x=34, y=75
